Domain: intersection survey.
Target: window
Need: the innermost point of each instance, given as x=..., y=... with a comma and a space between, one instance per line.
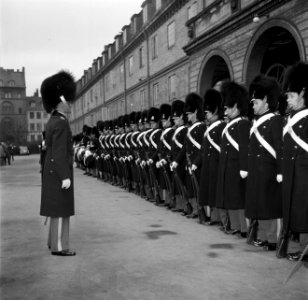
x=145, y=14
x=235, y=5
x=192, y=10
x=7, y=95
x=130, y=65
x=155, y=93
x=121, y=72
x=172, y=87
x=32, y=127
x=19, y=95
x=171, y=34
x=7, y=107
x=158, y=4
x=1, y=82
x=117, y=44
x=142, y=98
x=32, y=137
x=45, y=115
x=11, y=83
x=38, y=127
x=154, y=47
x=124, y=36
x=141, y=57
x=31, y=115
x=38, y=114
x=7, y=124
x=20, y=111
x=109, y=52
x=32, y=104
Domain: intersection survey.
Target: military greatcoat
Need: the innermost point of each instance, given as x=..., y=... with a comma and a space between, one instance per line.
x=263, y=192
x=295, y=174
x=55, y=201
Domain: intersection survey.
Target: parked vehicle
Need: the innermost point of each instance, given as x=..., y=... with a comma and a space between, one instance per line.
x=24, y=150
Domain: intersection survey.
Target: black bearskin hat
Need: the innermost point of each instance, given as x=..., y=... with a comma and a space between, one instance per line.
x=88, y=130
x=165, y=111
x=100, y=125
x=120, y=121
x=212, y=101
x=263, y=86
x=126, y=120
x=144, y=116
x=193, y=102
x=110, y=125
x=154, y=114
x=52, y=88
x=94, y=132
x=132, y=117
x=296, y=80
x=138, y=117
x=177, y=108
x=233, y=93
x=84, y=128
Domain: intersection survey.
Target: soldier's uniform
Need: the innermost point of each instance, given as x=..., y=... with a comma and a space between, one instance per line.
x=233, y=157
x=263, y=192
x=295, y=156
x=210, y=151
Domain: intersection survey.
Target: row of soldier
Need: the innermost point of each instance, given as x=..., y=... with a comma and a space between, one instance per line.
x=213, y=160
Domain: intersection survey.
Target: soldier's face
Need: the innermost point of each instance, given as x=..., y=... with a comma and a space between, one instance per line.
x=231, y=112
x=260, y=106
x=295, y=100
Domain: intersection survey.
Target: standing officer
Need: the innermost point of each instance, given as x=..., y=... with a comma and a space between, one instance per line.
x=295, y=156
x=57, y=198
x=232, y=169
x=263, y=192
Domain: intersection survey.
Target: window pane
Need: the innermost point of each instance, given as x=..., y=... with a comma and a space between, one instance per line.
x=38, y=114
x=171, y=34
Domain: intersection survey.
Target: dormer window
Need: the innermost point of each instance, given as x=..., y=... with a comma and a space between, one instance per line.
x=11, y=83
x=145, y=14
x=109, y=52
x=158, y=4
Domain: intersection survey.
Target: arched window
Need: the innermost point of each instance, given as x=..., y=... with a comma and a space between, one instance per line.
x=7, y=107
x=11, y=83
x=7, y=95
x=7, y=124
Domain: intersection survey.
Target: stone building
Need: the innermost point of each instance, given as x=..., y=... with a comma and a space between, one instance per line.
x=13, y=128
x=173, y=47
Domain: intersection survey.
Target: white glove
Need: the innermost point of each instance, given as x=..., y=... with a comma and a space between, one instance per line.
x=173, y=165
x=137, y=160
x=150, y=161
x=243, y=174
x=158, y=164
x=194, y=167
x=279, y=178
x=130, y=157
x=66, y=183
x=142, y=164
x=115, y=158
x=163, y=162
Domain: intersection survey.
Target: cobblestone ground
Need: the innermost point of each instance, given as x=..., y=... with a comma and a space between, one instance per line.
x=127, y=248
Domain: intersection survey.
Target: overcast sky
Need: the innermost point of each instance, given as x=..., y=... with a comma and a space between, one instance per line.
x=45, y=36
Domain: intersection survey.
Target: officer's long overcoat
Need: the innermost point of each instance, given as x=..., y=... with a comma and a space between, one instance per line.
x=209, y=170
x=263, y=192
x=230, y=186
x=55, y=201
x=295, y=175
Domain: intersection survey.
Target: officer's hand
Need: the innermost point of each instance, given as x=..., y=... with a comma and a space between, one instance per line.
x=194, y=167
x=243, y=174
x=66, y=183
x=173, y=165
x=279, y=178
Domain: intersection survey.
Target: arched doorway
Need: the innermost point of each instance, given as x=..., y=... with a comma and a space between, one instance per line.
x=272, y=50
x=214, y=69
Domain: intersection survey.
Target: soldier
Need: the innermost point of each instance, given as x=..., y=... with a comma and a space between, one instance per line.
x=232, y=169
x=190, y=151
x=57, y=198
x=263, y=190
x=210, y=151
x=295, y=157
x=163, y=151
x=178, y=139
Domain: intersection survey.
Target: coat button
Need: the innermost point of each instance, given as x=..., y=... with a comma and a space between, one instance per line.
x=52, y=160
x=295, y=147
x=51, y=171
x=292, y=158
x=258, y=155
x=300, y=126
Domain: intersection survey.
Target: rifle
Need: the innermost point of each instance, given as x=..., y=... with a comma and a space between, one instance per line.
x=195, y=185
x=283, y=242
x=154, y=182
x=252, y=231
x=139, y=169
x=168, y=183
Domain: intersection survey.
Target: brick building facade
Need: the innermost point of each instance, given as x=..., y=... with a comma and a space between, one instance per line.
x=172, y=47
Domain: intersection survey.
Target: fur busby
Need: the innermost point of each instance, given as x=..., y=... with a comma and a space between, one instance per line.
x=94, y=131
x=177, y=108
x=84, y=128
x=110, y=125
x=132, y=117
x=263, y=86
x=120, y=121
x=138, y=117
x=296, y=80
x=165, y=111
x=212, y=102
x=234, y=93
x=52, y=88
x=193, y=102
x=154, y=114
x=144, y=116
x=126, y=120
x=100, y=125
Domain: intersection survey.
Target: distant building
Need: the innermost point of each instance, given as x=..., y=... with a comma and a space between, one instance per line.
x=36, y=118
x=13, y=124
x=173, y=47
